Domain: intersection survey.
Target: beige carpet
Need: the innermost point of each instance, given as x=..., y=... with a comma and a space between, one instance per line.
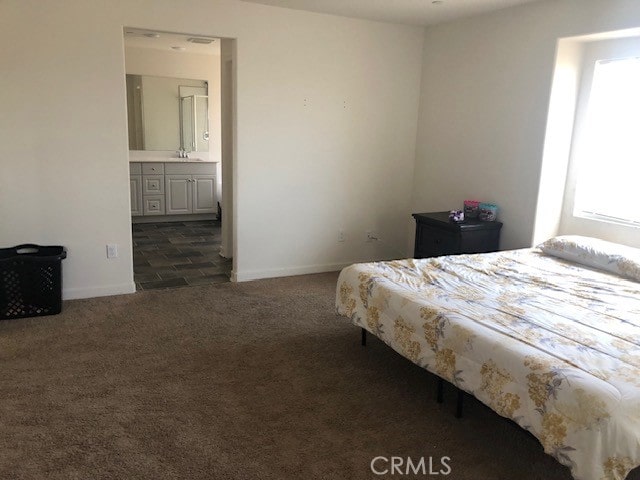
x=252, y=381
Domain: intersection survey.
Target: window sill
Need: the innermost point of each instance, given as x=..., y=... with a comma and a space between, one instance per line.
x=604, y=219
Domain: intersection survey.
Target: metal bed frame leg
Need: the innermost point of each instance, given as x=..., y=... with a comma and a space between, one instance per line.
x=459, y=404
x=440, y=382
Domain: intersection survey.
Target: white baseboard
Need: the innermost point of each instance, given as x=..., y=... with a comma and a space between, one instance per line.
x=287, y=272
x=223, y=252
x=104, y=291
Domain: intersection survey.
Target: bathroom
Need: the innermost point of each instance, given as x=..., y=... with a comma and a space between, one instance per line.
x=174, y=124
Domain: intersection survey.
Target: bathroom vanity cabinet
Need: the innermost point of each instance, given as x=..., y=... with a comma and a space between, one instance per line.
x=172, y=188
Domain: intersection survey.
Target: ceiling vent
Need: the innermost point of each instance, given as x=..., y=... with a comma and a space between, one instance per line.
x=135, y=33
x=204, y=41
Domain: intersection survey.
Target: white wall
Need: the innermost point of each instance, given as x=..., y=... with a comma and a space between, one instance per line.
x=557, y=140
x=326, y=124
x=485, y=93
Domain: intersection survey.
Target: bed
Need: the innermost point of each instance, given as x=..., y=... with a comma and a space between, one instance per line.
x=548, y=337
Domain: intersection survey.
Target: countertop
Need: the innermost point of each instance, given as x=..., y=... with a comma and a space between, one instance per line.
x=169, y=160
x=169, y=156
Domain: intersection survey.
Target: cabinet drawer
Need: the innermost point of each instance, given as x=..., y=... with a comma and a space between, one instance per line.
x=153, y=184
x=482, y=241
x=153, y=168
x=153, y=205
x=434, y=242
x=135, y=168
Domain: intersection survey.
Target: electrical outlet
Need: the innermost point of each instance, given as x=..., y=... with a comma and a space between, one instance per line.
x=340, y=235
x=112, y=250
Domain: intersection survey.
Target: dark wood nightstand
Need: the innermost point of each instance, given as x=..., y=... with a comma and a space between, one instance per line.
x=436, y=235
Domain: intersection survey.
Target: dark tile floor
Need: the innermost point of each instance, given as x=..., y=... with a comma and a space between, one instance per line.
x=178, y=254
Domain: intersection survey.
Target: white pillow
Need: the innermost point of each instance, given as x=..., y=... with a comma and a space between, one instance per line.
x=596, y=253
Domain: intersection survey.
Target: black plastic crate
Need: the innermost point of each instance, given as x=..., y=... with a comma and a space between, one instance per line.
x=30, y=281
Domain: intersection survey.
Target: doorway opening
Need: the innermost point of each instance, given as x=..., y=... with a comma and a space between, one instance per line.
x=175, y=124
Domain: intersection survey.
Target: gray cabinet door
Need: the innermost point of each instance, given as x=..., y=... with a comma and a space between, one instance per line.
x=204, y=193
x=179, y=196
x=135, y=187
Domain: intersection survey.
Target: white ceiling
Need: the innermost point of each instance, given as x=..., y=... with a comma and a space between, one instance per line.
x=135, y=37
x=411, y=12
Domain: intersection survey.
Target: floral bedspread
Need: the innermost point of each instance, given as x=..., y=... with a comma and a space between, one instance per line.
x=550, y=344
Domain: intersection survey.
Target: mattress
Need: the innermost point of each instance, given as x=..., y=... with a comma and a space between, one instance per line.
x=549, y=343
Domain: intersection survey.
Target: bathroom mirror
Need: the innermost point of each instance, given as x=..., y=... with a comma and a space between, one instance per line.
x=167, y=113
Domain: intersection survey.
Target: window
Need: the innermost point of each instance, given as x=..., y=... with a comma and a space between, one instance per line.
x=608, y=155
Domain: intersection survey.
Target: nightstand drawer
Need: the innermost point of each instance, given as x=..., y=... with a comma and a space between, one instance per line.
x=433, y=242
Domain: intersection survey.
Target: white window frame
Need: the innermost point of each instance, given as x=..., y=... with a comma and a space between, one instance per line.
x=579, y=221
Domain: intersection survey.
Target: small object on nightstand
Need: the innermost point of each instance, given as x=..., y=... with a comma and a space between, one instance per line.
x=436, y=235
x=456, y=216
x=488, y=212
x=471, y=208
